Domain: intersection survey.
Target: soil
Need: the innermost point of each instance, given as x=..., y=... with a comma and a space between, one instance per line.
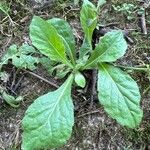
x=94, y=129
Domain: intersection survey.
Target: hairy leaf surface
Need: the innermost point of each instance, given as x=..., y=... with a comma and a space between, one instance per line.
x=64, y=29
x=110, y=47
x=48, y=121
x=46, y=39
x=119, y=94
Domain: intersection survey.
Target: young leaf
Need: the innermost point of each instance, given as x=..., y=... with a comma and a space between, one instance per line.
x=12, y=50
x=21, y=57
x=25, y=61
x=88, y=18
x=64, y=29
x=46, y=39
x=85, y=48
x=48, y=121
x=47, y=64
x=111, y=47
x=61, y=71
x=80, y=80
x=119, y=94
x=11, y=100
x=26, y=49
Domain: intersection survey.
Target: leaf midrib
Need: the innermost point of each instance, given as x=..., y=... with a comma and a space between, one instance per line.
x=119, y=91
x=64, y=60
x=55, y=106
x=92, y=62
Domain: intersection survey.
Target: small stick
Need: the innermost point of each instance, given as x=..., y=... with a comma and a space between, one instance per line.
x=93, y=90
x=17, y=85
x=146, y=90
x=45, y=80
x=143, y=23
x=41, y=78
x=14, y=72
x=88, y=113
x=11, y=90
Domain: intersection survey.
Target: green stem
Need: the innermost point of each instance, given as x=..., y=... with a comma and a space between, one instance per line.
x=134, y=68
x=146, y=90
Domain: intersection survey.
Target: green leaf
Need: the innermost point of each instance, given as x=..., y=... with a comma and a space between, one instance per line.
x=80, y=80
x=64, y=29
x=88, y=19
x=111, y=47
x=12, y=51
x=11, y=100
x=26, y=49
x=49, y=120
x=47, y=40
x=21, y=57
x=61, y=71
x=25, y=61
x=47, y=64
x=4, y=7
x=85, y=48
x=120, y=96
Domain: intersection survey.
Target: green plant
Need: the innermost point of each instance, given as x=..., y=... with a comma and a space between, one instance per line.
x=127, y=9
x=21, y=58
x=49, y=120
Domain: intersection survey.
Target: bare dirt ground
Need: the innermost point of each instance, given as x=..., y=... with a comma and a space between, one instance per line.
x=93, y=129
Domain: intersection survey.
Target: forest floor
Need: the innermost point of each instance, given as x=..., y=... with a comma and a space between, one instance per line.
x=94, y=129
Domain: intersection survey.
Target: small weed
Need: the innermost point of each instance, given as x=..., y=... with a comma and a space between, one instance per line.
x=127, y=9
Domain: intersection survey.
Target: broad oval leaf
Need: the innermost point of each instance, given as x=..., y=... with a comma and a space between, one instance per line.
x=64, y=29
x=46, y=39
x=49, y=120
x=110, y=47
x=120, y=96
x=80, y=79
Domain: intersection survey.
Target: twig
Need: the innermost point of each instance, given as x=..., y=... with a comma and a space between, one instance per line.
x=41, y=78
x=12, y=91
x=14, y=72
x=143, y=23
x=109, y=24
x=146, y=90
x=143, y=68
x=142, y=16
x=88, y=113
x=93, y=90
x=17, y=84
x=45, y=80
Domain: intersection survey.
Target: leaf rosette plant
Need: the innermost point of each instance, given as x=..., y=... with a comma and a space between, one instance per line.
x=48, y=122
